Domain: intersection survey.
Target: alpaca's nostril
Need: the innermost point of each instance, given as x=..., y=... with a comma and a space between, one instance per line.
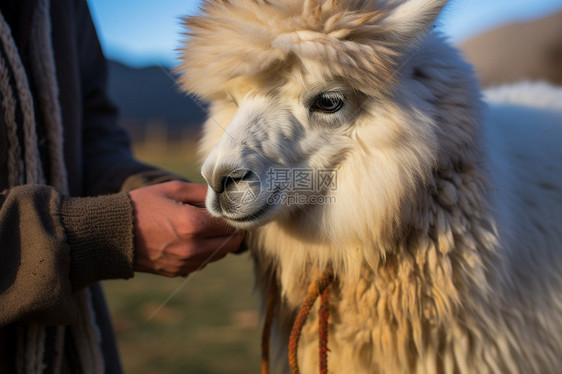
x=238, y=174
x=218, y=175
x=226, y=182
x=227, y=178
x=231, y=180
x=239, y=190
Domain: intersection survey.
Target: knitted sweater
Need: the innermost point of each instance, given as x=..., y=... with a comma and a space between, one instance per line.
x=56, y=242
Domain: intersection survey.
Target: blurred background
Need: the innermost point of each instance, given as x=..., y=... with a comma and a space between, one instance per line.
x=209, y=322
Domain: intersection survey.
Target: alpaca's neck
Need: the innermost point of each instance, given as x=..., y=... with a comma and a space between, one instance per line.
x=445, y=249
x=427, y=291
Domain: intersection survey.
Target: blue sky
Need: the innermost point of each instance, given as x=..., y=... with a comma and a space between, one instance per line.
x=147, y=32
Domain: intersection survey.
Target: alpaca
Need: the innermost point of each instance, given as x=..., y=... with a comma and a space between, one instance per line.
x=348, y=136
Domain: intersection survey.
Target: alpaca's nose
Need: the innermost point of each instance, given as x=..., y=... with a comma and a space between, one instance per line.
x=225, y=177
x=234, y=187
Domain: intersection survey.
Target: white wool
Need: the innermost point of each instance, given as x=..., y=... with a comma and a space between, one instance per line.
x=445, y=227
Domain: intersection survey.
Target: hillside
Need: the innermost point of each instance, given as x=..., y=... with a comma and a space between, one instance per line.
x=150, y=95
x=529, y=50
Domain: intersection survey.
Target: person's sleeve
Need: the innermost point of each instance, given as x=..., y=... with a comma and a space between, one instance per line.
x=109, y=165
x=53, y=246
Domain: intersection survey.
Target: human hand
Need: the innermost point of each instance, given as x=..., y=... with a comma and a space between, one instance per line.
x=174, y=233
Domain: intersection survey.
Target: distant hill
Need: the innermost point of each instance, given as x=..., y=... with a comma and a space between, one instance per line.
x=150, y=95
x=530, y=50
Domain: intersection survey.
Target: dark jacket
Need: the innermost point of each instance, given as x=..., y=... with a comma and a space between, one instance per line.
x=54, y=244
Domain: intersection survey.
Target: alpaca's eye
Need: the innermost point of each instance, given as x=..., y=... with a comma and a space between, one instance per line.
x=328, y=102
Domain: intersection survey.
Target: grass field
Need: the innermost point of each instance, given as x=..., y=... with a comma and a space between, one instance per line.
x=205, y=323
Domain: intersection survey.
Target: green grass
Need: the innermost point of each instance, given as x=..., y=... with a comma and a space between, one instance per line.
x=205, y=323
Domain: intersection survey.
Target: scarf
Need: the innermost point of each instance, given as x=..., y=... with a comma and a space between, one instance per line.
x=40, y=349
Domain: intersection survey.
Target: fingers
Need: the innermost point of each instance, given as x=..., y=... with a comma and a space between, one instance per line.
x=187, y=193
x=206, y=226
x=194, y=196
x=220, y=246
x=210, y=250
x=174, y=239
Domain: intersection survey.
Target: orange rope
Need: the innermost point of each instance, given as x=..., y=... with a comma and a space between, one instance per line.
x=315, y=290
x=324, y=314
x=318, y=288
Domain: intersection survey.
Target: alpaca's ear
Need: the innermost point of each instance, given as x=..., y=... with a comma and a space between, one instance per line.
x=411, y=19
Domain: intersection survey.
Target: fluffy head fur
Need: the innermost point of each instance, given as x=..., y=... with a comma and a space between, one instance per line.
x=358, y=39
x=411, y=230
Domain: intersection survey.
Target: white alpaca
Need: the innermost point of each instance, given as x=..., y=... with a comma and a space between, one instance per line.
x=443, y=225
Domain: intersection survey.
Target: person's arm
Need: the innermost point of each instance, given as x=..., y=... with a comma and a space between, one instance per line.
x=53, y=246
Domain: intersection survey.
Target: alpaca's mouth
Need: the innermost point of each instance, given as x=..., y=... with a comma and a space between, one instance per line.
x=259, y=216
x=254, y=216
